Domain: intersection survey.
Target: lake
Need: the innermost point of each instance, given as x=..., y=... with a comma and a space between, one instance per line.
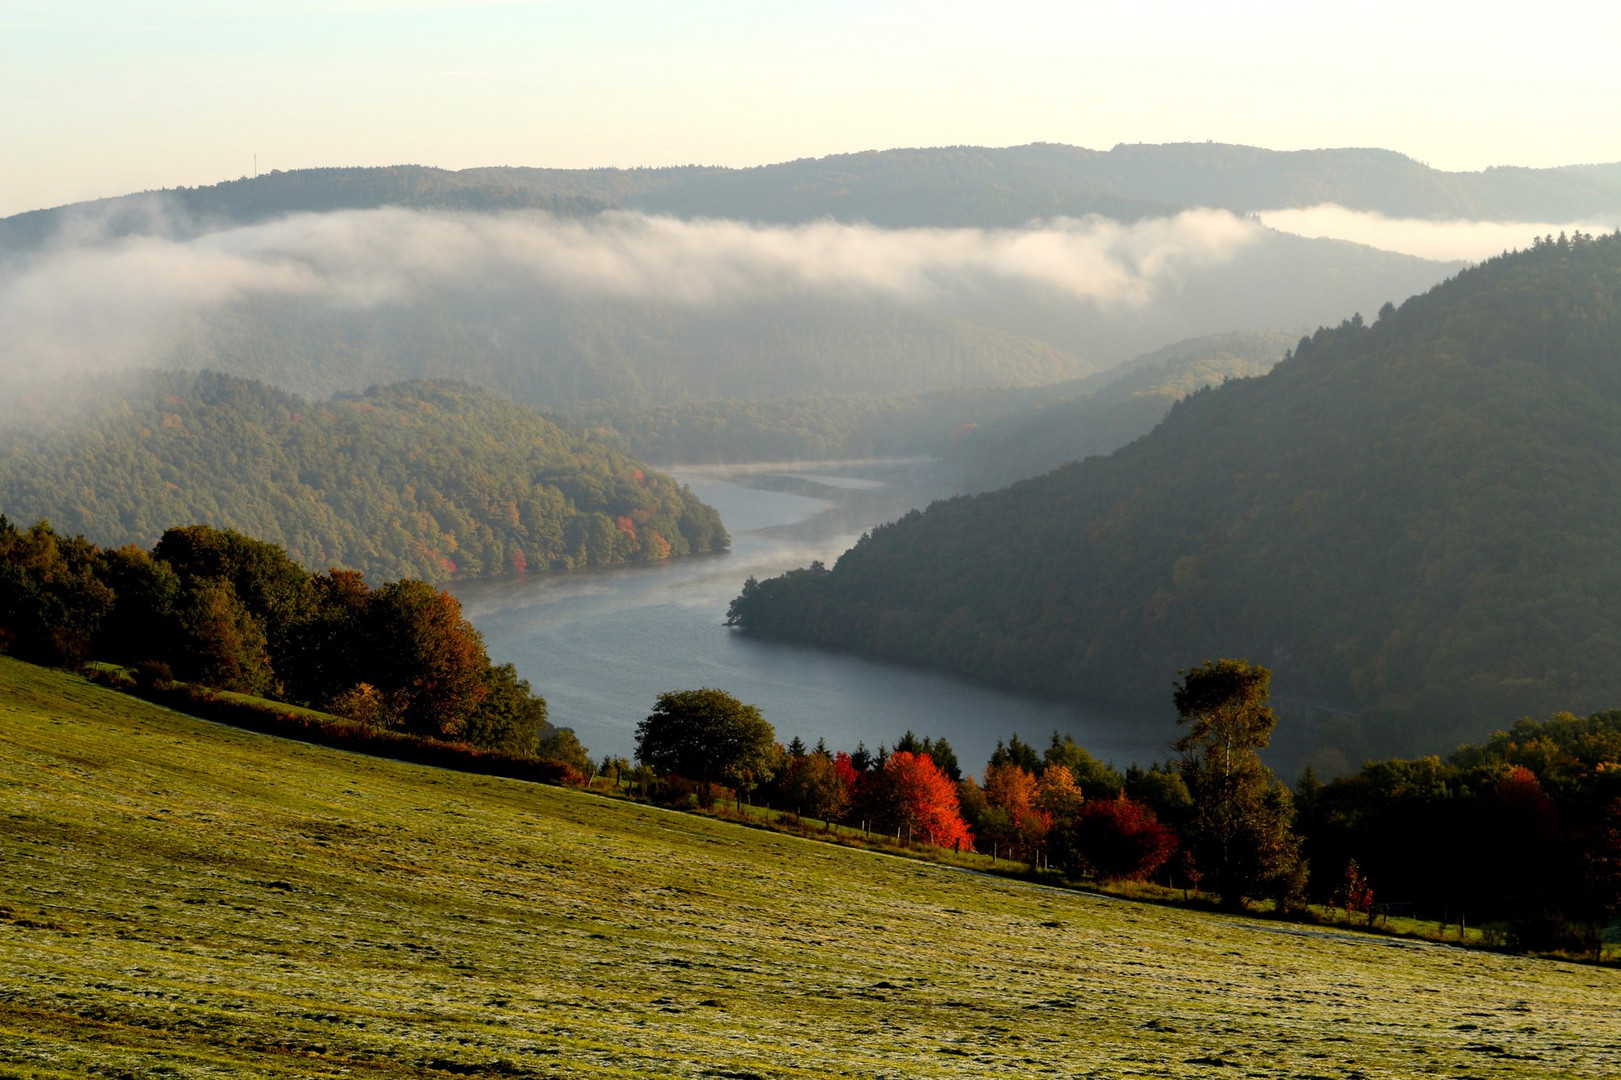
x=601, y=645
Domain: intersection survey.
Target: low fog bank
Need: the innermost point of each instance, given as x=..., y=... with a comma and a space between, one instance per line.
x=95, y=301
x=1470, y=241
x=628, y=307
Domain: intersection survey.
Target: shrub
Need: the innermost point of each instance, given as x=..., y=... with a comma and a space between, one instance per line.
x=153, y=675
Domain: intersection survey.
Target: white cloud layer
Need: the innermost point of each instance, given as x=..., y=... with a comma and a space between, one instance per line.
x=88, y=302
x=1470, y=241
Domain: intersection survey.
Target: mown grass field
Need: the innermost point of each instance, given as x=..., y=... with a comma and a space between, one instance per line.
x=183, y=899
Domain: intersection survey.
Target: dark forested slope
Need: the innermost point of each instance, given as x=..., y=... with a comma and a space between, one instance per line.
x=1413, y=521
x=418, y=479
x=1135, y=398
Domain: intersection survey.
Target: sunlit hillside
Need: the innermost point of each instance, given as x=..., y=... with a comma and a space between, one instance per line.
x=181, y=899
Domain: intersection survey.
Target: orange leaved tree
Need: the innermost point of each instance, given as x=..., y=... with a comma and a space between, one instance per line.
x=914, y=797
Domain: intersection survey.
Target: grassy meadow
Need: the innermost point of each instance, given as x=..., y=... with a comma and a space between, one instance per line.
x=183, y=899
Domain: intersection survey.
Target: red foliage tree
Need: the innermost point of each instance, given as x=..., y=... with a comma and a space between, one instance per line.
x=430, y=660
x=846, y=770
x=1521, y=798
x=1354, y=893
x=913, y=796
x=1119, y=839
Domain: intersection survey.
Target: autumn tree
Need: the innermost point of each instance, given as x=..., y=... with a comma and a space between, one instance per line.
x=1058, y=794
x=812, y=783
x=708, y=735
x=939, y=751
x=1355, y=894
x=1115, y=839
x=1016, y=820
x=429, y=662
x=844, y=765
x=1238, y=831
x=915, y=797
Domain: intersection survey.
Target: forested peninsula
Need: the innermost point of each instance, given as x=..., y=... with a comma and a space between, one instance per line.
x=1412, y=521
x=425, y=479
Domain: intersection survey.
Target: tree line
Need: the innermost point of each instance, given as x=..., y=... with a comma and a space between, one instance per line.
x=225, y=611
x=1520, y=835
x=1060, y=807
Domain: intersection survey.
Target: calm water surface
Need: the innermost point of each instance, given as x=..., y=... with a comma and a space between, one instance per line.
x=602, y=645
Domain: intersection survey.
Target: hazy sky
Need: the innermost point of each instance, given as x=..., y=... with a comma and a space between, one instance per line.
x=99, y=97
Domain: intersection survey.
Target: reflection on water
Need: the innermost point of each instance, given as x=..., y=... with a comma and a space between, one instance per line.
x=602, y=645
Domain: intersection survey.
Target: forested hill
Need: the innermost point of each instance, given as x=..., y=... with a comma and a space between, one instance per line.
x=544, y=347
x=424, y=479
x=1004, y=432
x=246, y=201
x=1412, y=521
x=1128, y=403
x=967, y=185
x=941, y=186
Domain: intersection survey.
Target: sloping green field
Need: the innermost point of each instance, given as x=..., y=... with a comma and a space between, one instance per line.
x=182, y=899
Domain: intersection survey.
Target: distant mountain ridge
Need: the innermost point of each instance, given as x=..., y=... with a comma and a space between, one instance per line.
x=1412, y=521
x=943, y=187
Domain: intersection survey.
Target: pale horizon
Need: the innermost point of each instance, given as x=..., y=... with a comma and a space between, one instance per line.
x=104, y=99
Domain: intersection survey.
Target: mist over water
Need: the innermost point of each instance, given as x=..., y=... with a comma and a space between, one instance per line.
x=90, y=301
x=1472, y=241
x=601, y=646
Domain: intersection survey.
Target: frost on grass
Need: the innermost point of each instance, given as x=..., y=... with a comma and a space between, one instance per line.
x=207, y=903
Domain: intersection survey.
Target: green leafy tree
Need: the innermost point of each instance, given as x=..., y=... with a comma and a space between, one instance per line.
x=1161, y=790
x=708, y=735
x=429, y=660
x=561, y=744
x=1238, y=831
x=1097, y=779
x=224, y=644
x=52, y=605
x=512, y=718
x=811, y=785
